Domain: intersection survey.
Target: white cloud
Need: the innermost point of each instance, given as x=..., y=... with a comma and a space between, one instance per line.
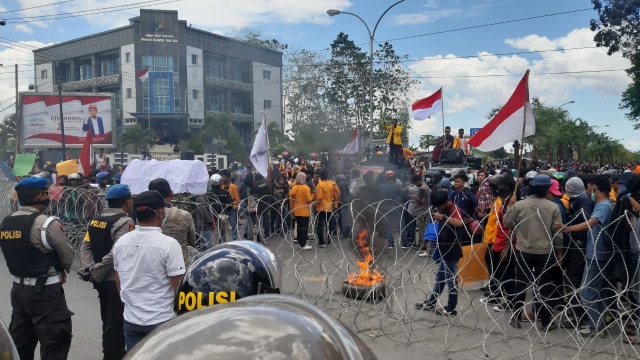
x=17, y=54
x=24, y=29
x=220, y=16
x=475, y=85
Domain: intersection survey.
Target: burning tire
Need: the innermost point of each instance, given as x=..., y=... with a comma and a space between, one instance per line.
x=364, y=292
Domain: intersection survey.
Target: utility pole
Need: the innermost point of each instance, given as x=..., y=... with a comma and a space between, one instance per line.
x=16, y=117
x=64, y=150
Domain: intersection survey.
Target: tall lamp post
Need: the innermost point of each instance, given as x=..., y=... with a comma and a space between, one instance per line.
x=372, y=34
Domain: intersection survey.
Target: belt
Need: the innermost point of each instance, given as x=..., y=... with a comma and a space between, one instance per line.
x=31, y=281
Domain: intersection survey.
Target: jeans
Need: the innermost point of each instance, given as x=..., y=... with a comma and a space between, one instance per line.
x=408, y=229
x=446, y=274
x=233, y=220
x=133, y=333
x=206, y=239
x=590, y=292
x=392, y=223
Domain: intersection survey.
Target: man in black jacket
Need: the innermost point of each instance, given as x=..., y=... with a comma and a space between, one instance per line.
x=450, y=221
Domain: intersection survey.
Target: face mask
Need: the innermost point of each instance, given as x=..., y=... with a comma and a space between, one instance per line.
x=45, y=203
x=593, y=196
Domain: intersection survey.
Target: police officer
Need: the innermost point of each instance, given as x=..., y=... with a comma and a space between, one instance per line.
x=97, y=265
x=37, y=253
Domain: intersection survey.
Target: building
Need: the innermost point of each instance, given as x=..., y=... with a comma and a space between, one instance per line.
x=190, y=73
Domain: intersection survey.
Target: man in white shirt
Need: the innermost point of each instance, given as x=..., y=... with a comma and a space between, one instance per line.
x=149, y=266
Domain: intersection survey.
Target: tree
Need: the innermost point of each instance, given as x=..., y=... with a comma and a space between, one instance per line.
x=426, y=141
x=8, y=133
x=218, y=127
x=255, y=37
x=618, y=28
x=140, y=138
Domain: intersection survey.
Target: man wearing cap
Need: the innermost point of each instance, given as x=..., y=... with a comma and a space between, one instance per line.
x=88, y=123
x=96, y=260
x=149, y=266
x=179, y=223
x=537, y=249
x=37, y=254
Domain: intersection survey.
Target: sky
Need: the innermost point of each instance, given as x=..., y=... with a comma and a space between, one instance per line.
x=476, y=50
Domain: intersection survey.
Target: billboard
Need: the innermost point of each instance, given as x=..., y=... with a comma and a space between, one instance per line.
x=40, y=119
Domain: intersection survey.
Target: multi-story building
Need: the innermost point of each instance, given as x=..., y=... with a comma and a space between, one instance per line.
x=190, y=72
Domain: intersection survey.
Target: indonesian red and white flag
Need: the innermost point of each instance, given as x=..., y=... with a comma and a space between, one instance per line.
x=84, y=163
x=143, y=74
x=513, y=122
x=352, y=146
x=428, y=106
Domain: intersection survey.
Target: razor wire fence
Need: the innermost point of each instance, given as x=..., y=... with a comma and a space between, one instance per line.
x=319, y=276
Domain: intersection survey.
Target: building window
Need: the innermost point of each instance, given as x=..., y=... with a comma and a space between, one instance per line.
x=85, y=71
x=129, y=93
x=216, y=101
x=127, y=57
x=237, y=105
x=266, y=74
x=194, y=94
x=43, y=74
x=267, y=104
x=215, y=68
x=194, y=59
x=110, y=65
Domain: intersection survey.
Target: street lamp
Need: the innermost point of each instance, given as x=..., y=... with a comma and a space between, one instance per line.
x=567, y=103
x=333, y=12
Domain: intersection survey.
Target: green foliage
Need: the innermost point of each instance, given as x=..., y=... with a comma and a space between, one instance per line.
x=138, y=137
x=218, y=127
x=618, y=29
x=426, y=141
x=195, y=144
x=256, y=38
x=8, y=134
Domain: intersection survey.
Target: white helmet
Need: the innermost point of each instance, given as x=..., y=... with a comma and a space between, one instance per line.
x=530, y=175
x=74, y=176
x=215, y=179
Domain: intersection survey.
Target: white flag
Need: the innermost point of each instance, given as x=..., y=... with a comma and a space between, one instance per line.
x=260, y=151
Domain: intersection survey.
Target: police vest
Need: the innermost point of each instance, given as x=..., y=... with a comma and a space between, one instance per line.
x=100, y=235
x=22, y=257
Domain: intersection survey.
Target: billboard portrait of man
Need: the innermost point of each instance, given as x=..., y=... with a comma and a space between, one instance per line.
x=92, y=121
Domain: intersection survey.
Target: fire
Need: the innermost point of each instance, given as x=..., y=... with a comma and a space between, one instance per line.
x=366, y=276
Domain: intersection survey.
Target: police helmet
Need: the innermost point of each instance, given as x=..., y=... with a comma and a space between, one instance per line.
x=390, y=174
x=258, y=327
x=215, y=180
x=7, y=347
x=230, y=271
x=75, y=176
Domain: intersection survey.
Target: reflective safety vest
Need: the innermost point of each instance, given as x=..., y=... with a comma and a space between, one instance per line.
x=100, y=235
x=22, y=257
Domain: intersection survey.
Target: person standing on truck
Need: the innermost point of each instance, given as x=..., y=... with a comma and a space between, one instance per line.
x=394, y=140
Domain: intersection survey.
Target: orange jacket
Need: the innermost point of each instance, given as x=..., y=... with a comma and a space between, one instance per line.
x=300, y=200
x=235, y=195
x=324, y=196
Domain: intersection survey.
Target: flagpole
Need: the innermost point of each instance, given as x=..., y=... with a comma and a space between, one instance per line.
x=524, y=126
x=442, y=109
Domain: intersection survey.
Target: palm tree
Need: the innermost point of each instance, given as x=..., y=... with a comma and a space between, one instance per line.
x=137, y=136
x=219, y=126
x=8, y=133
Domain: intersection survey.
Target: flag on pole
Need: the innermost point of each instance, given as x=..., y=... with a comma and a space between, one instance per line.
x=428, y=106
x=143, y=74
x=260, y=151
x=513, y=122
x=84, y=163
x=352, y=146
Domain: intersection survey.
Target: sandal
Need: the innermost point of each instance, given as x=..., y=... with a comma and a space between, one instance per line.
x=631, y=340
